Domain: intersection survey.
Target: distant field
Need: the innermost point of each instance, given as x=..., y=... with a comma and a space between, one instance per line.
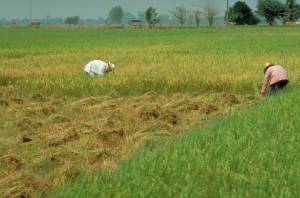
x=56, y=123
x=50, y=61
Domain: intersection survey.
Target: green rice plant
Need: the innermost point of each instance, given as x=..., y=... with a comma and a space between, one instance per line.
x=254, y=153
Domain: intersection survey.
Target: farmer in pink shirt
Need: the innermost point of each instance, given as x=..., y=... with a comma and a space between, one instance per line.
x=276, y=77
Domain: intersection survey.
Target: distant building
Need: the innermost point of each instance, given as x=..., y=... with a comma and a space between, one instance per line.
x=293, y=23
x=35, y=23
x=14, y=24
x=136, y=22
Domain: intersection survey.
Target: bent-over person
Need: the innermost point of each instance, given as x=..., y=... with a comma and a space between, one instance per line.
x=98, y=68
x=276, y=77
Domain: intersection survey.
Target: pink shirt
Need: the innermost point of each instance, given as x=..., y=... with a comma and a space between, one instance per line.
x=273, y=75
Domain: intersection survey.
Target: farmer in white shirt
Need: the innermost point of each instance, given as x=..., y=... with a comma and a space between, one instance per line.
x=98, y=68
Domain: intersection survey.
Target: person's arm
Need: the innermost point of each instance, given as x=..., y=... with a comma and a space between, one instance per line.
x=266, y=82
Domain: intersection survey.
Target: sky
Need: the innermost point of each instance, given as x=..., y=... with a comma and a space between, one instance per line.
x=16, y=9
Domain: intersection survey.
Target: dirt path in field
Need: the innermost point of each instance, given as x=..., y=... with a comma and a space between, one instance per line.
x=46, y=141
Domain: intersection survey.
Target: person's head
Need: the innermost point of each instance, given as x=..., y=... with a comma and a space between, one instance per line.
x=267, y=66
x=110, y=67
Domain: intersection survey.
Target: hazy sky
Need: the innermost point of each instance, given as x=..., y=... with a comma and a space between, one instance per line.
x=13, y=9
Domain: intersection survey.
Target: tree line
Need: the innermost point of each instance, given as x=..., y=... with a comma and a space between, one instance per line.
x=203, y=9
x=270, y=10
x=267, y=11
x=239, y=14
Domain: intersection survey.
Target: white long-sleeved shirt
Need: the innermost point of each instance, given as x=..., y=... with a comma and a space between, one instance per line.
x=96, y=68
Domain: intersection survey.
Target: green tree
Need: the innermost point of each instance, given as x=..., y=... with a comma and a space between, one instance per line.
x=241, y=14
x=115, y=15
x=151, y=16
x=229, y=15
x=208, y=9
x=197, y=16
x=74, y=20
x=271, y=10
x=180, y=13
x=292, y=11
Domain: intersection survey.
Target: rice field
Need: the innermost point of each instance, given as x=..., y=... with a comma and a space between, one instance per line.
x=56, y=123
x=50, y=61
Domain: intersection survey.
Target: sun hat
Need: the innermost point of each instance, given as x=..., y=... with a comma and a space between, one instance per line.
x=112, y=66
x=267, y=66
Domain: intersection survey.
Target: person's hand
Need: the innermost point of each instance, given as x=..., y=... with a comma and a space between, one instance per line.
x=262, y=93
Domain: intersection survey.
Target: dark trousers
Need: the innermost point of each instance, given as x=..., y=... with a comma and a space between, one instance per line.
x=277, y=86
